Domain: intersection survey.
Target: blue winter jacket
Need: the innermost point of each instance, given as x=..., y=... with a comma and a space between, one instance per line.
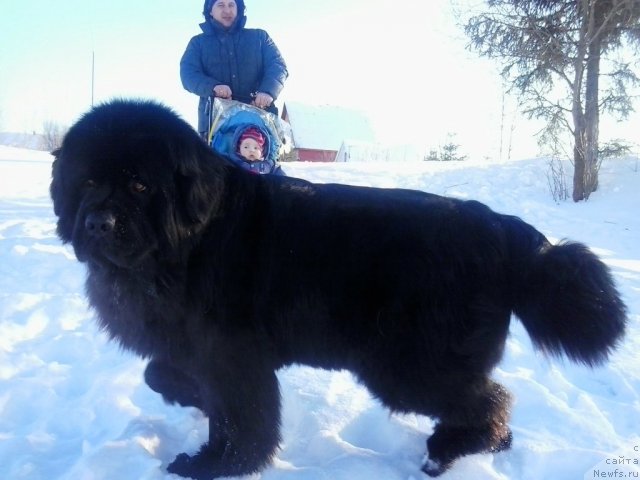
x=245, y=59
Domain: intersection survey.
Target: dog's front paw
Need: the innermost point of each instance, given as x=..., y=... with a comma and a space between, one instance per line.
x=197, y=467
x=210, y=463
x=504, y=443
x=182, y=465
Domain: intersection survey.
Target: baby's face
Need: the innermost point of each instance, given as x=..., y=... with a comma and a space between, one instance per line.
x=250, y=150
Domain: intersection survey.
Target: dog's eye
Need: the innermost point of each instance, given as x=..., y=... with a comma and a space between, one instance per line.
x=137, y=187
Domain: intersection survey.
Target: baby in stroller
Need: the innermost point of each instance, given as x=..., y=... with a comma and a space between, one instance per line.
x=247, y=136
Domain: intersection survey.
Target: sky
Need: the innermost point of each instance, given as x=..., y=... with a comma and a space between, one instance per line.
x=404, y=65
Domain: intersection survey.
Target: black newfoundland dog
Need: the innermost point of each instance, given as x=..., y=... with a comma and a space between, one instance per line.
x=221, y=277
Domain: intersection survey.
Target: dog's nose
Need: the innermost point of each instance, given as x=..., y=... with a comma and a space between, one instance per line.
x=99, y=223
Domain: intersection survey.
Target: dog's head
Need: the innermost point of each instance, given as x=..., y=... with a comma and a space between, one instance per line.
x=133, y=183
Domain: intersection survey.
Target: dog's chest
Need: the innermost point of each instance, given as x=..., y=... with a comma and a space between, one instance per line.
x=137, y=315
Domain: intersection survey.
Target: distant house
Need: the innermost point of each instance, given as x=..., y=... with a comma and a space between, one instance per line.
x=320, y=130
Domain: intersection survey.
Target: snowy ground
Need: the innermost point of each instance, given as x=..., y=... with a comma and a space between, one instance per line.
x=72, y=406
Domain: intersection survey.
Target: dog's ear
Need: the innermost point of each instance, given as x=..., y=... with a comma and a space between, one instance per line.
x=198, y=196
x=56, y=180
x=59, y=197
x=198, y=191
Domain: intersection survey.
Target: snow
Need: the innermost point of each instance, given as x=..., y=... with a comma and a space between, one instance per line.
x=73, y=406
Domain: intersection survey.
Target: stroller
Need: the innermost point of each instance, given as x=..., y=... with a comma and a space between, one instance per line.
x=229, y=119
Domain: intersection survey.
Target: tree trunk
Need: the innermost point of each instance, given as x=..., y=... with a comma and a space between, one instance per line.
x=579, y=161
x=578, y=134
x=592, y=109
x=585, y=151
x=585, y=177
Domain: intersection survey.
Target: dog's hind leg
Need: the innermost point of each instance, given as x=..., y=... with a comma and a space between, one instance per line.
x=474, y=421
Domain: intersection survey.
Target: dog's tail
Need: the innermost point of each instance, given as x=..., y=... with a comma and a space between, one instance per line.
x=565, y=297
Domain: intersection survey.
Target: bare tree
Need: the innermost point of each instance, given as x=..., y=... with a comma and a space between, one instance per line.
x=553, y=53
x=53, y=133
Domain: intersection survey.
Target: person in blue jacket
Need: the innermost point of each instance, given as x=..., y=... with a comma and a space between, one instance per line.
x=230, y=61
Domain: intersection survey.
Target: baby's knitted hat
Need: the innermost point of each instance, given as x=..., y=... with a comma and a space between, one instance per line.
x=254, y=134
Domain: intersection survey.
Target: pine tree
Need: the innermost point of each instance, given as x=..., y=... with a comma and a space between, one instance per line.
x=547, y=45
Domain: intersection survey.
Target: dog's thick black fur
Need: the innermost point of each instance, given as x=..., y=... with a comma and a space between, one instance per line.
x=221, y=277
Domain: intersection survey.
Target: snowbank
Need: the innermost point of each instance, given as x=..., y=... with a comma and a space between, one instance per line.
x=72, y=406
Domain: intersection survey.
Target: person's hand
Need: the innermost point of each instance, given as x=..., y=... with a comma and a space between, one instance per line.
x=222, y=91
x=263, y=100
